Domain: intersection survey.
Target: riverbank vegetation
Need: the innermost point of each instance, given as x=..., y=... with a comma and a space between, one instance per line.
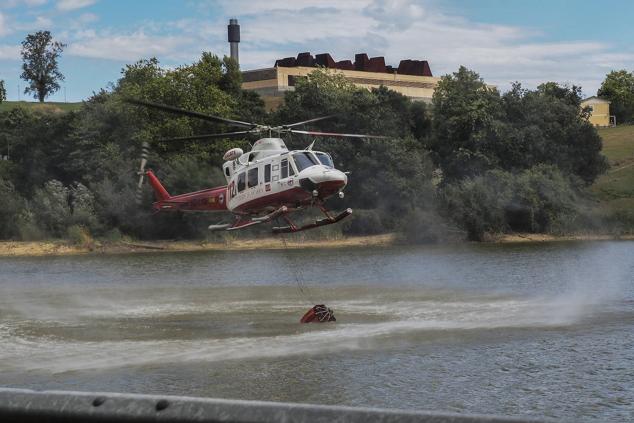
x=472, y=164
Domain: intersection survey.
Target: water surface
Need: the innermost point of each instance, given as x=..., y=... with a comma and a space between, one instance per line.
x=526, y=330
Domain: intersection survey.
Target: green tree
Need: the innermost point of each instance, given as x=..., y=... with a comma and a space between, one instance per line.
x=40, y=68
x=544, y=126
x=12, y=203
x=476, y=130
x=463, y=138
x=618, y=87
x=539, y=199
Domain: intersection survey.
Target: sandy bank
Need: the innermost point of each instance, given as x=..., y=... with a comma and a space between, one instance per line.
x=519, y=237
x=52, y=248
x=59, y=248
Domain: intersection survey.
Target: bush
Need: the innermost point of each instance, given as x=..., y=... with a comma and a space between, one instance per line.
x=27, y=228
x=425, y=226
x=12, y=204
x=363, y=222
x=540, y=199
x=80, y=236
x=51, y=208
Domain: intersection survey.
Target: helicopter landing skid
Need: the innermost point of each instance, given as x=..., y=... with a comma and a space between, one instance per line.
x=329, y=220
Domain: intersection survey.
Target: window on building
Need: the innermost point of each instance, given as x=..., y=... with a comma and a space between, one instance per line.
x=241, y=182
x=267, y=173
x=252, y=180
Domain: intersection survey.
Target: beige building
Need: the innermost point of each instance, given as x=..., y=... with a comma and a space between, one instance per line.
x=599, y=111
x=412, y=78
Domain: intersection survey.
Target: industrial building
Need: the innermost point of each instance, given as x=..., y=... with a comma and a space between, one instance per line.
x=412, y=78
x=599, y=111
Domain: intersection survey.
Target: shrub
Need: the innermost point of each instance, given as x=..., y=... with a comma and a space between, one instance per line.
x=51, y=208
x=539, y=199
x=80, y=236
x=12, y=204
x=425, y=226
x=363, y=222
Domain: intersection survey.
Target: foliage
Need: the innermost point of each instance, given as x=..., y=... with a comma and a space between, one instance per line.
x=3, y=91
x=52, y=208
x=516, y=161
x=476, y=130
x=539, y=199
x=39, y=67
x=618, y=87
x=12, y=204
x=464, y=108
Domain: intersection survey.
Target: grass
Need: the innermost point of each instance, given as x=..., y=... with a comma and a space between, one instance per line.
x=52, y=106
x=615, y=189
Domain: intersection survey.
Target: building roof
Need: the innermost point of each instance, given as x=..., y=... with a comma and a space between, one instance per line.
x=594, y=99
x=361, y=63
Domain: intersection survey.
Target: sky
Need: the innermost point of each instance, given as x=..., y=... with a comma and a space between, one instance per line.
x=570, y=42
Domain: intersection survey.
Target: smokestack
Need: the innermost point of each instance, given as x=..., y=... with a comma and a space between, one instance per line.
x=233, y=35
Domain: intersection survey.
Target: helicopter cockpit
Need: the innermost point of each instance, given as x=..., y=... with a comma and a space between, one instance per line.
x=306, y=159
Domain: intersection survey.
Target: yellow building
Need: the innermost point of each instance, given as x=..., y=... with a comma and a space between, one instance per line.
x=599, y=111
x=412, y=78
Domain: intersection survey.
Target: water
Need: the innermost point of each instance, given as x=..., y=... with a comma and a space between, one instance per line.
x=541, y=330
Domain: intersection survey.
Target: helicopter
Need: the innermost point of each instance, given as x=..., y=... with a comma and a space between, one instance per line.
x=263, y=184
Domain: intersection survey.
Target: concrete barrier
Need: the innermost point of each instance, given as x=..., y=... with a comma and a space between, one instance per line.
x=65, y=406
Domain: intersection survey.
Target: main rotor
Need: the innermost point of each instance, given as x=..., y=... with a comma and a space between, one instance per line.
x=251, y=127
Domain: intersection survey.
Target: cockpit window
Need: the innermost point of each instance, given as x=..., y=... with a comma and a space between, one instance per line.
x=325, y=159
x=304, y=160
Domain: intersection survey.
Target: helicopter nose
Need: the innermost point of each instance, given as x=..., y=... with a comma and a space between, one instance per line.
x=325, y=181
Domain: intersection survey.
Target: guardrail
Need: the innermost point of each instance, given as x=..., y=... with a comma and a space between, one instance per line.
x=65, y=406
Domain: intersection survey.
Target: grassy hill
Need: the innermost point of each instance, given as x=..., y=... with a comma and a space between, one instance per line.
x=615, y=189
x=54, y=106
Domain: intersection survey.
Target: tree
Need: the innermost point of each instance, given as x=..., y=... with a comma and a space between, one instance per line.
x=40, y=68
x=3, y=91
x=476, y=130
x=618, y=87
x=464, y=109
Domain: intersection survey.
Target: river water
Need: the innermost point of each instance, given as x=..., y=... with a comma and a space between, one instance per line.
x=541, y=330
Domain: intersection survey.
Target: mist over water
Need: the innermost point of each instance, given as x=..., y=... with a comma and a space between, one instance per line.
x=535, y=329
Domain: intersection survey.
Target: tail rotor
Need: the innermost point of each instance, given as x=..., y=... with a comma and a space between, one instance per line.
x=145, y=150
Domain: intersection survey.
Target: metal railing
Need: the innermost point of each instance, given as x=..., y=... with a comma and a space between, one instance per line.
x=65, y=406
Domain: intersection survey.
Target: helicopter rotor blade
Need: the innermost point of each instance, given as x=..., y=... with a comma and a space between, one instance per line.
x=304, y=122
x=177, y=110
x=337, y=135
x=145, y=150
x=209, y=136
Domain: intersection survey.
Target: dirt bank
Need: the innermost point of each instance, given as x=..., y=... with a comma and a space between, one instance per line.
x=52, y=248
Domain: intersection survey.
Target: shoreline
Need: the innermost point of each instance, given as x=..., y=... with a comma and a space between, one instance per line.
x=64, y=248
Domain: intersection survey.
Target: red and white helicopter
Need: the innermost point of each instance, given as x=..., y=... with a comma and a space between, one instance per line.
x=263, y=184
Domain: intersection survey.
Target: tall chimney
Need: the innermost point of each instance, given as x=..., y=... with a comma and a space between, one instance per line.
x=233, y=33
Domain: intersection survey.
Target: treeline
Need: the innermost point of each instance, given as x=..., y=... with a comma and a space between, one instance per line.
x=473, y=162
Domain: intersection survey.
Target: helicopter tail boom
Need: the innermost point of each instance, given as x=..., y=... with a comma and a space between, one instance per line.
x=159, y=190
